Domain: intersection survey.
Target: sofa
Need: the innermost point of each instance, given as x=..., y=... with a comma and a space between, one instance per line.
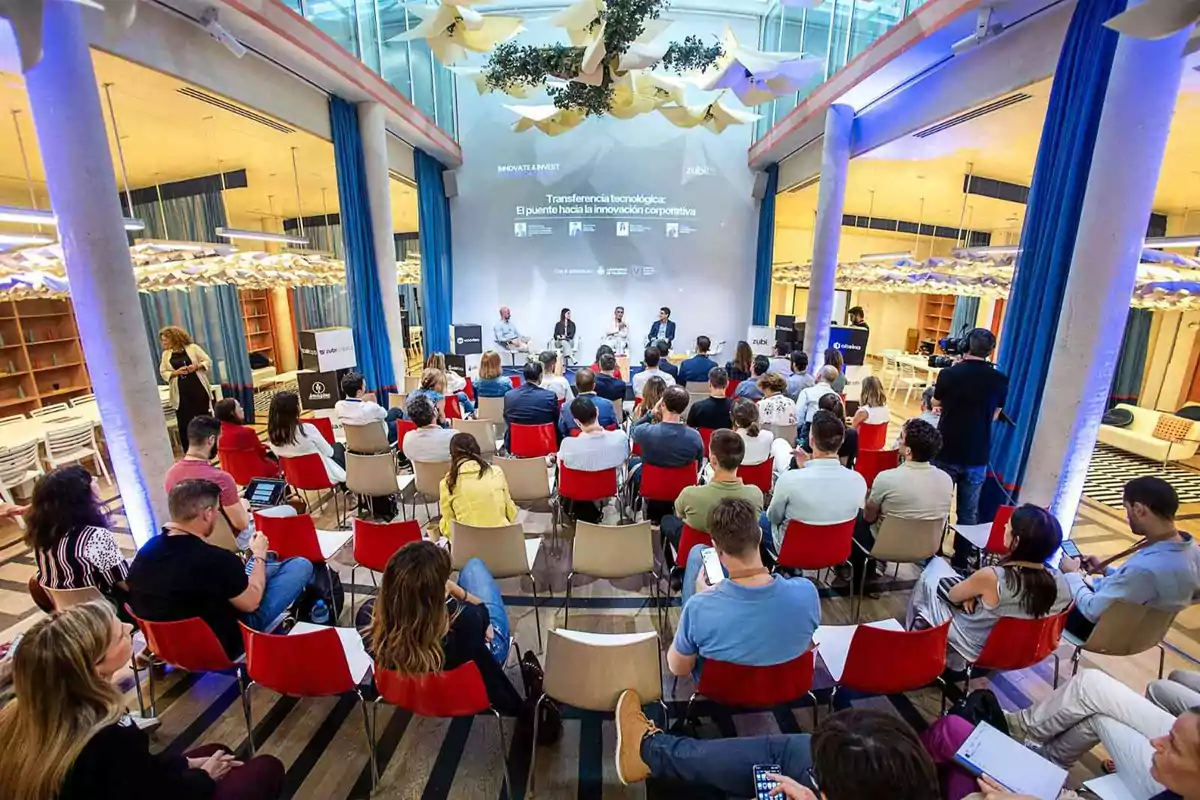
x=1138, y=438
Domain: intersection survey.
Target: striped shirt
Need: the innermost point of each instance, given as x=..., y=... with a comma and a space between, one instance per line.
x=87, y=557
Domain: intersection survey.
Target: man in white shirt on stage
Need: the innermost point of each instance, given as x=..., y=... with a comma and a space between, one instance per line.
x=506, y=334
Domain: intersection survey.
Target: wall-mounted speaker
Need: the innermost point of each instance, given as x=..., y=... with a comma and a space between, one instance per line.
x=450, y=183
x=760, y=185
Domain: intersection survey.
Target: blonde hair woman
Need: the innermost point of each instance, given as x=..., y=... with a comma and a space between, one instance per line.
x=872, y=407
x=66, y=735
x=492, y=382
x=453, y=382
x=185, y=367
x=652, y=392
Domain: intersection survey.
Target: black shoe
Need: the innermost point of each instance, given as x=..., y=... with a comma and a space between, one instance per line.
x=676, y=581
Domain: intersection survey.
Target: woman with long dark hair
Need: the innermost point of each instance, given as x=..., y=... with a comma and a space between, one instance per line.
x=564, y=335
x=288, y=436
x=1022, y=585
x=833, y=358
x=473, y=492
x=68, y=533
x=740, y=368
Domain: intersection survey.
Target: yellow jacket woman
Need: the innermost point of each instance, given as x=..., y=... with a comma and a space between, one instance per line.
x=474, y=492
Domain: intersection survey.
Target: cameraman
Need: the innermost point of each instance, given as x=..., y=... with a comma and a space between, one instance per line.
x=971, y=394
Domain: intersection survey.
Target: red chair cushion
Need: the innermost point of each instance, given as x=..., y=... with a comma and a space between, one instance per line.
x=578, y=485
x=740, y=686
x=376, y=542
x=187, y=643
x=760, y=475
x=665, y=483
x=532, y=441
x=872, y=462
x=816, y=546
x=872, y=437
x=691, y=538
x=457, y=693
x=890, y=662
x=299, y=665
x=1019, y=643
x=306, y=472
x=995, y=542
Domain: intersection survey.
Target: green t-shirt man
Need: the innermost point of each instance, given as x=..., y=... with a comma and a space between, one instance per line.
x=694, y=502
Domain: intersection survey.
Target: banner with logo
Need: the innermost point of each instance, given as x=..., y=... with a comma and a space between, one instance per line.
x=318, y=389
x=466, y=339
x=761, y=339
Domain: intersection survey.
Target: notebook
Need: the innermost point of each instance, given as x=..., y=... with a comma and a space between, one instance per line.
x=989, y=752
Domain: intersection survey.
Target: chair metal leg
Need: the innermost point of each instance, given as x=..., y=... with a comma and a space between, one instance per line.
x=353, y=567
x=529, y=784
x=687, y=712
x=244, y=689
x=1056, y=669
x=567, y=605
x=816, y=717
x=1162, y=660
x=862, y=591
x=368, y=730
x=137, y=683
x=150, y=679
x=967, y=688
x=666, y=715
x=537, y=616
x=1075, y=660
x=503, y=753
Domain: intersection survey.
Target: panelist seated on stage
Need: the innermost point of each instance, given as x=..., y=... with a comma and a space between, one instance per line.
x=529, y=403
x=696, y=368
x=585, y=386
x=653, y=361
x=564, y=333
x=663, y=328
x=617, y=333
x=506, y=334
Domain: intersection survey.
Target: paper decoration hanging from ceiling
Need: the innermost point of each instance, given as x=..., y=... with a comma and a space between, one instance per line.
x=548, y=119
x=453, y=29
x=757, y=77
x=1156, y=19
x=637, y=92
x=476, y=77
x=714, y=116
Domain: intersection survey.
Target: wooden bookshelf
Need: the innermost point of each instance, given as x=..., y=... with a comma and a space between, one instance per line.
x=256, y=317
x=936, y=312
x=41, y=361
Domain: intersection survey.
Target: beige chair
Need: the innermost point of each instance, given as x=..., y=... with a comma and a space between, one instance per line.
x=908, y=379
x=65, y=598
x=12, y=419
x=70, y=445
x=786, y=432
x=611, y=552
x=396, y=400
x=46, y=411
x=19, y=465
x=411, y=383
x=223, y=535
x=368, y=439
x=491, y=408
x=902, y=541
x=1125, y=629
x=618, y=412
x=483, y=430
x=529, y=485
x=372, y=475
x=697, y=387
x=590, y=671
x=505, y=551
x=428, y=478
x=82, y=400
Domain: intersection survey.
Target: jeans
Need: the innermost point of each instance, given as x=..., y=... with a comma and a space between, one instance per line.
x=766, y=547
x=393, y=415
x=969, y=483
x=465, y=402
x=671, y=530
x=475, y=579
x=691, y=572
x=285, y=581
x=727, y=765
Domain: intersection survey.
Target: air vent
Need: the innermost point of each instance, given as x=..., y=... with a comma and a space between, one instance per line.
x=799, y=187
x=995, y=105
x=225, y=105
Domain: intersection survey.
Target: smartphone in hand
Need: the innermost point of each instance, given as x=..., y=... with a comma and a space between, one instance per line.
x=1071, y=549
x=714, y=573
x=762, y=784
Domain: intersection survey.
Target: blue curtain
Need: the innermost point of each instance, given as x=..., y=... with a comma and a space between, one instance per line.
x=212, y=315
x=766, y=249
x=1131, y=363
x=1055, y=199
x=437, y=262
x=362, y=277
x=966, y=311
x=194, y=218
x=321, y=307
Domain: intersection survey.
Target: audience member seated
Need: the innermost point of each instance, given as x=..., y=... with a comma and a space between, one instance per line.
x=608, y=379
x=667, y=442
x=645, y=406
x=455, y=384
x=930, y=410
x=288, y=436
x=848, y=452
x=359, y=407
x=872, y=407
x=196, y=464
x=696, y=368
x=800, y=379
x=743, y=362
x=749, y=389
x=857, y=754
x=593, y=450
x=178, y=575
x=1176, y=694
x=67, y=735
x=653, y=369
x=1164, y=571
x=761, y=443
x=713, y=411
x=914, y=490
x=833, y=358
x=492, y=382
x=821, y=491
x=664, y=364
x=422, y=622
x=529, y=403
x=1021, y=586
x=601, y=352
x=726, y=451
x=433, y=388
x=237, y=435
x=1156, y=755
x=430, y=442
x=807, y=403
x=552, y=378
x=738, y=619
x=68, y=533
x=781, y=362
x=473, y=492
x=585, y=386
x=775, y=408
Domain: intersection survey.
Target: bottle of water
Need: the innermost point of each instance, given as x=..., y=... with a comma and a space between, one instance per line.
x=320, y=613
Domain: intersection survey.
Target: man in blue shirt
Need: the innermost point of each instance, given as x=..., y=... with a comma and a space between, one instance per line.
x=530, y=404
x=585, y=386
x=800, y=379
x=738, y=619
x=749, y=389
x=506, y=334
x=664, y=349
x=696, y=368
x=608, y=385
x=664, y=328
x=669, y=443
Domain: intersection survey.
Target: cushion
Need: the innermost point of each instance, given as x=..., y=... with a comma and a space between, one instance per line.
x=1118, y=417
x=1171, y=428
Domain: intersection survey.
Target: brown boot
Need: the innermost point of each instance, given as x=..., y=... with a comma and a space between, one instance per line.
x=632, y=727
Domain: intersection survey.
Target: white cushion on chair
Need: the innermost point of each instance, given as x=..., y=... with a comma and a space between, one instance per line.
x=332, y=541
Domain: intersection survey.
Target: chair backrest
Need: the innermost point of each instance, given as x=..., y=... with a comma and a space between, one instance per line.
x=294, y=535
x=808, y=546
x=590, y=670
x=741, y=686
x=1126, y=629
x=575, y=484
x=187, y=643
x=370, y=438
x=908, y=540
x=731, y=388
x=872, y=436
x=411, y=383
x=403, y=428
x=65, y=598
x=45, y=411
x=429, y=476
x=788, y=433
x=483, y=431
x=870, y=463
x=305, y=472
x=995, y=542
x=612, y=551
x=706, y=437
x=223, y=535
x=907, y=370
x=61, y=442
x=527, y=478
x=376, y=542
x=243, y=465
x=881, y=661
x=469, y=390
x=1016, y=643
x=697, y=387
x=516, y=380
x=665, y=483
x=12, y=419
x=371, y=475
x=455, y=693
x=17, y=461
x=502, y=550
x=490, y=408
x=300, y=665
x=760, y=475
x=322, y=424
x=396, y=399
x=83, y=400
x=453, y=409
x=619, y=411
x=532, y=441
x=689, y=539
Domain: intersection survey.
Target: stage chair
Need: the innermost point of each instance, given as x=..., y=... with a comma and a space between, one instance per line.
x=901, y=541
x=611, y=552
x=1124, y=629
x=872, y=462
x=1020, y=643
x=532, y=441
x=872, y=436
x=882, y=661
x=375, y=543
x=738, y=686
x=505, y=551
x=816, y=547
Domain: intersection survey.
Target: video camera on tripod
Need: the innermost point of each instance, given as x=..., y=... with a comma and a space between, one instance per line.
x=952, y=346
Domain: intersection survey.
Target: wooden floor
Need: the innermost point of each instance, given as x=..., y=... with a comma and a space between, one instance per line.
x=323, y=746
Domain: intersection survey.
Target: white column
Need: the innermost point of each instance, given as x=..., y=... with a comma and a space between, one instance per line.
x=1128, y=155
x=831, y=198
x=371, y=124
x=83, y=192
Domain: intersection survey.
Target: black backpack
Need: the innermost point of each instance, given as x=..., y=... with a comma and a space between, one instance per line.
x=325, y=585
x=979, y=706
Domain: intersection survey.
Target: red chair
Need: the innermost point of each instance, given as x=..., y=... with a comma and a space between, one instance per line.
x=575, y=432
x=731, y=388
x=872, y=462
x=243, y=465
x=532, y=441
x=376, y=542
x=403, y=428
x=305, y=665
x=760, y=475
x=665, y=483
x=453, y=409
x=742, y=687
x=457, y=693
x=324, y=425
x=995, y=543
x=469, y=390
x=583, y=486
x=516, y=380
x=1020, y=643
x=706, y=437
x=816, y=547
x=296, y=536
x=689, y=539
x=872, y=436
x=307, y=474
x=882, y=661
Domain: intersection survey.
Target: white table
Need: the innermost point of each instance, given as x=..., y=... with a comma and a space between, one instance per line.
x=28, y=430
x=920, y=364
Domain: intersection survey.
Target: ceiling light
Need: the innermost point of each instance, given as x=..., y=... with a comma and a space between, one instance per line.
x=133, y=224
x=261, y=236
x=885, y=256
x=1173, y=241
x=993, y=250
x=24, y=238
x=27, y=215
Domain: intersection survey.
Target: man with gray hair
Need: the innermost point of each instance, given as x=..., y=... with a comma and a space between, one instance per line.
x=806, y=402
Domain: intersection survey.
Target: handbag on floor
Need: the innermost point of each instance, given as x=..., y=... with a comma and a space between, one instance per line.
x=979, y=706
x=326, y=585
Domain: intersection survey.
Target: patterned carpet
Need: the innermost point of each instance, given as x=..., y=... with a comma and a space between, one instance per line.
x=1111, y=468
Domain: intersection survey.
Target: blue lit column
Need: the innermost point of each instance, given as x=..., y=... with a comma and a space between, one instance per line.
x=83, y=191
x=831, y=198
x=1130, y=143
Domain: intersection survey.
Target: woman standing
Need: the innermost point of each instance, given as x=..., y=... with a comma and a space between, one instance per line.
x=185, y=367
x=289, y=437
x=473, y=492
x=564, y=335
x=743, y=362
